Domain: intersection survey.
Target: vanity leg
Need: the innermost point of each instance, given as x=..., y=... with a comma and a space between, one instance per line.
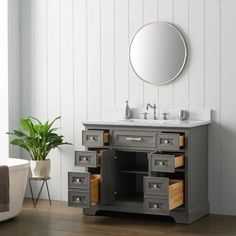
x=90, y=211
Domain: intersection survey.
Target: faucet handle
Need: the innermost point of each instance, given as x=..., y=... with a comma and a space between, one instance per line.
x=145, y=115
x=165, y=116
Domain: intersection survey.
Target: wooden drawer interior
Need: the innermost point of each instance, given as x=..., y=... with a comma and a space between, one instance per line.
x=179, y=159
x=94, y=188
x=106, y=137
x=176, y=193
x=98, y=155
x=181, y=140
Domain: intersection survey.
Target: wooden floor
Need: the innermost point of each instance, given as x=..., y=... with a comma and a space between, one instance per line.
x=60, y=220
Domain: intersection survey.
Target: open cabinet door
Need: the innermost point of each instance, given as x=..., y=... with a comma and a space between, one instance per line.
x=108, y=177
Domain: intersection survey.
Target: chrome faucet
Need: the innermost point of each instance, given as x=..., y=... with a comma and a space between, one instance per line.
x=154, y=108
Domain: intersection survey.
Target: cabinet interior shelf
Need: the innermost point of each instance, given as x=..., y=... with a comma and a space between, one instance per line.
x=135, y=171
x=179, y=170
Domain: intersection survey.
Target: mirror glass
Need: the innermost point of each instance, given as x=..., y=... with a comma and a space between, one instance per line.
x=158, y=53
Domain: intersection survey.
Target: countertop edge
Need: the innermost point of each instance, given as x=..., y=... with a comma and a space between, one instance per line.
x=132, y=124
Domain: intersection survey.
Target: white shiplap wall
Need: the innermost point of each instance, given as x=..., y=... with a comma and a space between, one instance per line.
x=75, y=64
x=4, y=117
x=9, y=74
x=14, y=69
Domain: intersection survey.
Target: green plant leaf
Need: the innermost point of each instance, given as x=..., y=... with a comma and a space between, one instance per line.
x=34, y=118
x=38, y=138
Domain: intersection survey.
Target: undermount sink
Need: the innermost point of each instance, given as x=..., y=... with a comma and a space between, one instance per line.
x=157, y=122
x=161, y=122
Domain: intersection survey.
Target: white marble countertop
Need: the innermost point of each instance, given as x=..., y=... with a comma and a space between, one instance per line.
x=150, y=123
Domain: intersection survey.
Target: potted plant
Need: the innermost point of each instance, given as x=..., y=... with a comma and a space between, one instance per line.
x=38, y=139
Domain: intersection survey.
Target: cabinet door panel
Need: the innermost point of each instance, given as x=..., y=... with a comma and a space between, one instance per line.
x=108, y=177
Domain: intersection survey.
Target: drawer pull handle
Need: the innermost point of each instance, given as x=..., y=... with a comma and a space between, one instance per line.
x=77, y=180
x=91, y=138
x=155, y=186
x=166, y=141
x=84, y=159
x=155, y=206
x=160, y=163
x=77, y=200
x=133, y=139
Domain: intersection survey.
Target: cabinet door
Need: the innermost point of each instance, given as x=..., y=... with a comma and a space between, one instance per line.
x=108, y=177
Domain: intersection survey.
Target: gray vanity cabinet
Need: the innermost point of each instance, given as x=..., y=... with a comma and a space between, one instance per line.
x=145, y=170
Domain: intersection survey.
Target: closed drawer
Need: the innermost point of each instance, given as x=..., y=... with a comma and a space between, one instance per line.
x=79, y=199
x=134, y=139
x=170, y=141
x=88, y=158
x=95, y=138
x=165, y=162
x=156, y=202
x=79, y=180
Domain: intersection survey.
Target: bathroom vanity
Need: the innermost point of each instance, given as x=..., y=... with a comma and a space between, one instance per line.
x=146, y=167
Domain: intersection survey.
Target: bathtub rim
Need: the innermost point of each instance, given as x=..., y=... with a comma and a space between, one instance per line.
x=15, y=163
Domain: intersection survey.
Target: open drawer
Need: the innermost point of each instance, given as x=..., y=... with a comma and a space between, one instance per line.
x=170, y=141
x=88, y=158
x=83, y=189
x=162, y=195
x=95, y=138
x=165, y=162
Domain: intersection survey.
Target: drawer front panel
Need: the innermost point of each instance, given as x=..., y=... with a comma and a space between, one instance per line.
x=162, y=163
x=86, y=158
x=156, y=206
x=79, y=180
x=168, y=142
x=92, y=138
x=79, y=199
x=156, y=185
x=134, y=139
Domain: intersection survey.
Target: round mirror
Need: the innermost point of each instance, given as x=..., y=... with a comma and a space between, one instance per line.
x=158, y=53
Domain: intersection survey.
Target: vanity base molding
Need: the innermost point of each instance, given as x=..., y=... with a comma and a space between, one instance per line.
x=179, y=216
x=146, y=170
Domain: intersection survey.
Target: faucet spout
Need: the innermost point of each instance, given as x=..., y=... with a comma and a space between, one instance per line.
x=154, y=107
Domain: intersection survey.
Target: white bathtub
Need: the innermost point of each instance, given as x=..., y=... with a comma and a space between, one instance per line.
x=18, y=172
